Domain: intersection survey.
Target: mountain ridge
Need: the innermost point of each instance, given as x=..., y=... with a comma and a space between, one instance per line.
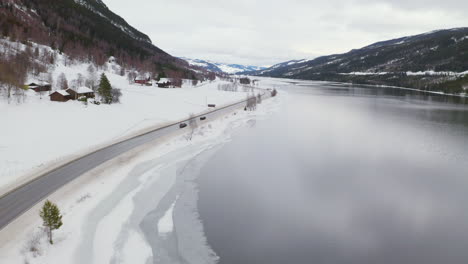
x=121, y=23
x=222, y=67
x=86, y=30
x=389, y=62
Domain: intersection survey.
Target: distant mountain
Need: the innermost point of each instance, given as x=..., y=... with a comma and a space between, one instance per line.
x=84, y=29
x=427, y=61
x=203, y=64
x=222, y=67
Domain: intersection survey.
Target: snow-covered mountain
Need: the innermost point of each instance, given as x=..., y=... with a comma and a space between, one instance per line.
x=85, y=29
x=98, y=7
x=222, y=67
x=436, y=60
x=441, y=50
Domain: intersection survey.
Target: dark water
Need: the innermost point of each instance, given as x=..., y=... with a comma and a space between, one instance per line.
x=343, y=175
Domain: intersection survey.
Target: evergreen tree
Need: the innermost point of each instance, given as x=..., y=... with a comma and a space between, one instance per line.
x=161, y=75
x=51, y=217
x=105, y=90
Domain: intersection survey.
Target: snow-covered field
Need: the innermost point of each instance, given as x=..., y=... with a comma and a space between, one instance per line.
x=108, y=211
x=124, y=210
x=38, y=134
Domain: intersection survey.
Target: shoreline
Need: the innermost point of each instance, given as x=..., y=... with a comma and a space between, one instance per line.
x=86, y=235
x=51, y=166
x=369, y=85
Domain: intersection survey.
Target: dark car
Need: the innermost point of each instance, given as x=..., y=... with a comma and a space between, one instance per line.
x=182, y=125
x=203, y=118
x=211, y=105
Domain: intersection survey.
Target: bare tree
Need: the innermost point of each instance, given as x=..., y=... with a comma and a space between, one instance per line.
x=116, y=94
x=62, y=81
x=13, y=71
x=193, y=124
x=80, y=81
x=230, y=87
x=177, y=82
x=131, y=76
x=251, y=103
x=274, y=93
x=92, y=77
x=50, y=79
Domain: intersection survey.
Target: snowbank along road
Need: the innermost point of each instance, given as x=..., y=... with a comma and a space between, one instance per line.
x=19, y=200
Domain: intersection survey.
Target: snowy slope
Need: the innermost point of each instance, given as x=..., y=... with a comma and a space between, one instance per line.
x=204, y=64
x=38, y=133
x=104, y=211
x=436, y=61
x=237, y=68
x=222, y=67
x=98, y=7
x=439, y=51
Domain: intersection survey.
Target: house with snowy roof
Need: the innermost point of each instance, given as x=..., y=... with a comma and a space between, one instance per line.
x=60, y=96
x=143, y=81
x=164, y=83
x=76, y=93
x=39, y=86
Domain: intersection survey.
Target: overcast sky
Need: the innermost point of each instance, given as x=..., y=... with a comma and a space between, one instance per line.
x=265, y=32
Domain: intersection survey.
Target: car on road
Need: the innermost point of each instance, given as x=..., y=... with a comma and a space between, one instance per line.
x=203, y=118
x=182, y=125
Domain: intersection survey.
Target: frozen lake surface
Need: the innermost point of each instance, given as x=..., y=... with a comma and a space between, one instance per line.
x=343, y=174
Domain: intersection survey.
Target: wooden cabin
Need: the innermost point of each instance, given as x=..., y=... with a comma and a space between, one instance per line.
x=76, y=93
x=143, y=81
x=164, y=83
x=60, y=96
x=40, y=86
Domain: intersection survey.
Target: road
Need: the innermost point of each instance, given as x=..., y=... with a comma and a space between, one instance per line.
x=18, y=201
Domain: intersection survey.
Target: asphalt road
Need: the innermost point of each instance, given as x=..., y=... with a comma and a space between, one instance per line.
x=18, y=201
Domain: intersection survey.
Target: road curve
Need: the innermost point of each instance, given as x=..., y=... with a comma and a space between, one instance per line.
x=21, y=199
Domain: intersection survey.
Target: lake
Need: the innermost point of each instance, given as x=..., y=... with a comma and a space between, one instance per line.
x=342, y=174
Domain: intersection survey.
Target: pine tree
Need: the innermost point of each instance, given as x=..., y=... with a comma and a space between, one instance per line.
x=161, y=75
x=51, y=217
x=105, y=90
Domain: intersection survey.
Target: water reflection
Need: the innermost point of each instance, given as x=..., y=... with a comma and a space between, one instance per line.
x=344, y=174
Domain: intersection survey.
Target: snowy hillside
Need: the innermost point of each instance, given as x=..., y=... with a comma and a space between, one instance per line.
x=204, y=64
x=222, y=67
x=39, y=133
x=98, y=7
x=103, y=209
x=441, y=55
x=86, y=29
x=441, y=50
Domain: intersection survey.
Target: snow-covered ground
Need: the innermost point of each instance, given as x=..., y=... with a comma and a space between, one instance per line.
x=104, y=210
x=39, y=134
x=123, y=211
x=226, y=68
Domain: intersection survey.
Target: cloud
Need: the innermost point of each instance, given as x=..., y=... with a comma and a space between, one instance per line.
x=264, y=32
